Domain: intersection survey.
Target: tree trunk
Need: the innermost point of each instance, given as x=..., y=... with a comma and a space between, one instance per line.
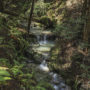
x=30, y=17
x=87, y=21
x=1, y=5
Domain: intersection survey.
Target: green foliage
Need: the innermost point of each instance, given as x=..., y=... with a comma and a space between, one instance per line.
x=37, y=88
x=4, y=73
x=84, y=45
x=42, y=86
x=46, y=85
x=14, y=47
x=67, y=31
x=1, y=40
x=40, y=8
x=4, y=62
x=86, y=72
x=21, y=73
x=81, y=70
x=24, y=44
x=1, y=23
x=16, y=70
x=47, y=22
x=16, y=7
x=75, y=86
x=14, y=30
x=4, y=76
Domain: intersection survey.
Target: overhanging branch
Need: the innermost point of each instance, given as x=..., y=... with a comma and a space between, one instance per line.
x=9, y=13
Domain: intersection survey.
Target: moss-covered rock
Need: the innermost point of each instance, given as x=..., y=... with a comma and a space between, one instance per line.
x=47, y=22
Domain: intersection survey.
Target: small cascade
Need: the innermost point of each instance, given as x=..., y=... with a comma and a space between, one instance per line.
x=43, y=66
x=44, y=48
x=45, y=39
x=38, y=38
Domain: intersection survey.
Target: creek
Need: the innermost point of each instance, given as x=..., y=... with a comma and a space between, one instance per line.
x=43, y=47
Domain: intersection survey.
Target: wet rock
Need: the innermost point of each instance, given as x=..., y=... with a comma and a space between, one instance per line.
x=56, y=87
x=42, y=76
x=62, y=85
x=56, y=82
x=67, y=88
x=43, y=66
x=51, y=73
x=29, y=61
x=62, y=89
x=56, y=79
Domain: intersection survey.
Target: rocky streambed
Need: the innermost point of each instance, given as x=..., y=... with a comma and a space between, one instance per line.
x=43, y=47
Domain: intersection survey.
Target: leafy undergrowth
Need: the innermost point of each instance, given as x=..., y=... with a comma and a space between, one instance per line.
x=73, y=66
x=70, y=57
x=15, y=53
x=4, y=75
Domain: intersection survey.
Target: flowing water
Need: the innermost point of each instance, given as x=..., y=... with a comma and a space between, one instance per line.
x=44, y=46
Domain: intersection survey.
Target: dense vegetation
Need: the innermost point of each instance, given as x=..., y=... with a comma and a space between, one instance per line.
x=68, y=20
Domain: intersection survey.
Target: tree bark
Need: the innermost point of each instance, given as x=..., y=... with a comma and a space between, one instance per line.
x=87, y=21
x=1, y=5
x=30, y=17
